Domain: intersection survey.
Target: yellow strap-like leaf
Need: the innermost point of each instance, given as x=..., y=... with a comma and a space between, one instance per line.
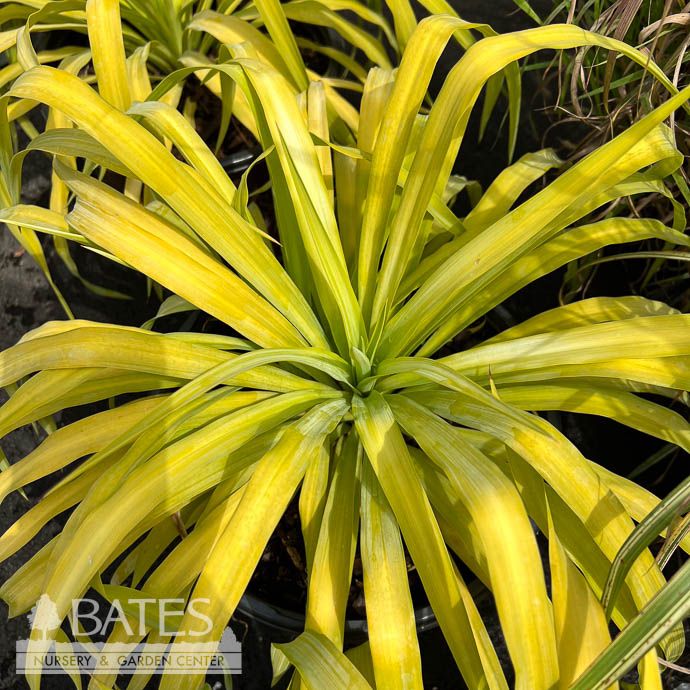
x=581, y=628
x=312, y=501
x=566, y=471
x=661, y=336
x=330, y=576
x=412, y=79
x=93, y=345
x=169, y=123
x=390, y=614
x=584, y=313
x=321, y=664
x=161, y=486
x=108, y=50
x=507, y=187
x=72, y=442
x=625, y=408
x=164, y=254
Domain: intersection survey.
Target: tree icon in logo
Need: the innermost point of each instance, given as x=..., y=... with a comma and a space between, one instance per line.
x=229, y=643
x=44, y=617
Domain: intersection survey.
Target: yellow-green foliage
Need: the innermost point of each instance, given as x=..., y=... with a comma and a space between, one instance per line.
x=332, y=389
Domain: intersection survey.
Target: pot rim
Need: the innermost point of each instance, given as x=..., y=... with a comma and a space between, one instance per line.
x=289, y=621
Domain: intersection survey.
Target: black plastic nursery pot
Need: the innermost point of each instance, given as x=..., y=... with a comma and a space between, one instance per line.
x=282, y=624
x=261, y=623
x=238, y=162
x=264, y=623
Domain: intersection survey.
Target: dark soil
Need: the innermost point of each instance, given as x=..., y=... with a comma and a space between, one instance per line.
x=208, y=118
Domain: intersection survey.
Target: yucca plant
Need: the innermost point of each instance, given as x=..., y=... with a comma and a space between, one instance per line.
x=331, y=387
